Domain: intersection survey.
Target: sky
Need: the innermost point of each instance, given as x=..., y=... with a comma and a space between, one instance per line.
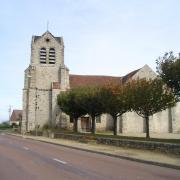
x=102, y=37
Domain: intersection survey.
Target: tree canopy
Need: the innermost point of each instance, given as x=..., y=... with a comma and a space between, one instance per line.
x=149, y=97
x=70, y=103
x=168, y=68
x=93, y=101
x=145, y=97
x=118, y=101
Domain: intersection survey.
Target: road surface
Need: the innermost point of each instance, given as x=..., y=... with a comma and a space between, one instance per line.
x=25, y=159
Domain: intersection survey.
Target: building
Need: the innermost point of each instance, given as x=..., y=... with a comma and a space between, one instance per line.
x=44, y=78
x=16, y=117
x=47, y=76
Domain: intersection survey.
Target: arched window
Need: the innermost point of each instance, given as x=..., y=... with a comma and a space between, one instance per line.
x=51, y=56
x=42, y=55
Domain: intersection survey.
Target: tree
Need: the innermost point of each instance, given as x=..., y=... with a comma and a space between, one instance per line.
x=70, y=103
x=5, y=125
x=93, y=103
x=150, y=97
x=168, y=68
x=117, y=102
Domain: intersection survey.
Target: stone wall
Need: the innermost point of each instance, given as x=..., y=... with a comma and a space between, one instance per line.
x=31, y=109
x=43, y=107
x=137, y=144
x=157, y=146
x=105, y=124
x=176, y=118
x=38, y=99
x=24, y=117
x=55, y=108
x=161, y=122
x=45, y=75
x=41, y=42
x=131, y=122
x=145, y=72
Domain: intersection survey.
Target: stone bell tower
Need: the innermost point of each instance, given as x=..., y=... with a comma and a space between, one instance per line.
x=45, y=77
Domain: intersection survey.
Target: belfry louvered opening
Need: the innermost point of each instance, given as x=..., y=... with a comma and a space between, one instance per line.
x=52, y=56
x=43, y=55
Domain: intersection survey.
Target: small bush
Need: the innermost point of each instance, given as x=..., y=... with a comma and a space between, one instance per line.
x=5, y=125
x=46, y=127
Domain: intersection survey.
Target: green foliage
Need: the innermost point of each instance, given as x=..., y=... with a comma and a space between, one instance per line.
x=117, y=101
x=150, y=97
x=5, y=125
x=70, y=102
x=142, y=96
x=94, y=102
x=82, y=101
x=168, y=68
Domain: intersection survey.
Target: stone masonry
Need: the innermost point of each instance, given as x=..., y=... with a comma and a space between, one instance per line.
x=47, y=76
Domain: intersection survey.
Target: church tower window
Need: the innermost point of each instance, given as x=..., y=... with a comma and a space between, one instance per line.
x=51, y=56
x=43, y=55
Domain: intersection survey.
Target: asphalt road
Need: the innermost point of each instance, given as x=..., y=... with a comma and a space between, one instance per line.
x=25, y=159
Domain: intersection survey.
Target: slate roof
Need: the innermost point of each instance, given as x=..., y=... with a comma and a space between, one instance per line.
x=129, y=76
x=59, y=39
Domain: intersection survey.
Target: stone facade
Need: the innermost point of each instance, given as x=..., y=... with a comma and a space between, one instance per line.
x=46, y=68
x=47, y=76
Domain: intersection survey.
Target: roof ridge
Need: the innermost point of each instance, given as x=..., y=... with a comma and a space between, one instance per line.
x=57, y=38
x=94, y=75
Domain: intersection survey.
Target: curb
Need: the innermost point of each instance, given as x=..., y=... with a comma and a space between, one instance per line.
x=108, y=154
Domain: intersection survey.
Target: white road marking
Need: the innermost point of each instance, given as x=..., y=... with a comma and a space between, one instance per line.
x=26, y=148
x=62, y=162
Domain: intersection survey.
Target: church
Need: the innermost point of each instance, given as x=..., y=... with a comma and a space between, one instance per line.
x=47, y=76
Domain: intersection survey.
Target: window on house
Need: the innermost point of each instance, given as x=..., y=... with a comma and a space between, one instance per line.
x=42, y=55
x=51, y=56
x=98, y=119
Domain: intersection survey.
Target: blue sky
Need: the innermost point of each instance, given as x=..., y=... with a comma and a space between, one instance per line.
x=104, y=37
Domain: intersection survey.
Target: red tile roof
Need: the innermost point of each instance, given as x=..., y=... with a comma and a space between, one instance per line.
x=88, y=80
x=16, y=115
x=93, y=80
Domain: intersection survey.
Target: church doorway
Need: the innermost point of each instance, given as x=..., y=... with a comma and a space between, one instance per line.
x=85, y=124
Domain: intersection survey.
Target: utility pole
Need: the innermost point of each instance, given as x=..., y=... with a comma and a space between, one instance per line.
x=9, y=111
x=27, y=102
x=47, y=25
x=36, y=125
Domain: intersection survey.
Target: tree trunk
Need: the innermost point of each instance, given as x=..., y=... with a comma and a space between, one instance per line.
x=147, y=127
x=121, y=124
x=93, y=128
x=75, y=127
x=170, y=120
x=115, y=125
